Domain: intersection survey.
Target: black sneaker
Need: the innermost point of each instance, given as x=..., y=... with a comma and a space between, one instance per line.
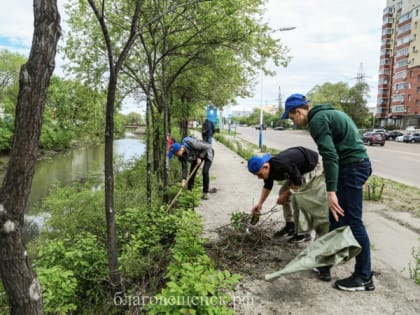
x=288, y=229
x=324, y=273
x=355, y=283
x=299, y=238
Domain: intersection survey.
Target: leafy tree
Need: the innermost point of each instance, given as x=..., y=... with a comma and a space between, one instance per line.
x=10, y=64
x=112, y=36
x=341, y=96
x=18, y=277
x=195, y=54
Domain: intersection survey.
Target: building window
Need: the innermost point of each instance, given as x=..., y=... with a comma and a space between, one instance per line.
x=401, y=63
x=399, y=86
x=400, y=75
x=398, y=98
x=404, y=18
x=404, y=28
x=418, y=90
x=398, y=109
x=402, y=52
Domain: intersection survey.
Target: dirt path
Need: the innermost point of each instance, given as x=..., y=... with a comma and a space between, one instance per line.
x=257, y=254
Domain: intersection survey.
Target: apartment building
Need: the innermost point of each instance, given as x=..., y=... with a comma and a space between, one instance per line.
x=398, y=101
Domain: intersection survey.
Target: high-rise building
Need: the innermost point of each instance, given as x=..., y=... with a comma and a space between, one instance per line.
x=399, y=71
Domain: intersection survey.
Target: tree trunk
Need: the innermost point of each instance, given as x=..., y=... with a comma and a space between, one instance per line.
x=111, y=226
x=19, y=279
x=148, y=160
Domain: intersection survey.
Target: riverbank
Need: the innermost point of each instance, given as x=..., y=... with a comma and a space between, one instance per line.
x=258, y=254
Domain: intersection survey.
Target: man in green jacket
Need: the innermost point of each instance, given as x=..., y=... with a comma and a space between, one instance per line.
x=347, y=167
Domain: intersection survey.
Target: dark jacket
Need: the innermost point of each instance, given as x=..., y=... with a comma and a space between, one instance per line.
x=291, y=164
x=337, y=138
x=208, y=128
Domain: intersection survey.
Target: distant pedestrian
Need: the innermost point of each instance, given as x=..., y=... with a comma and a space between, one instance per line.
x=207, y=130
x=347, y=168
x=195, y=152
x=303, y=193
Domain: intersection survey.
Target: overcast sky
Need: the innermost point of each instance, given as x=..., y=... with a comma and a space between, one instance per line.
x=331, y=41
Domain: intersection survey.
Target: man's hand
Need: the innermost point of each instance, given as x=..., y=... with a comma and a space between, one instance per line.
x=256, y=208
x=334, y=206
x=198, y=161
x=183, y=183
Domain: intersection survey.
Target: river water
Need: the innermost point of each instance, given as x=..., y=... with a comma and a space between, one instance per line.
x=77, y=164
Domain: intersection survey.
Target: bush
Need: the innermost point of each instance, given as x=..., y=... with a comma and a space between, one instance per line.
x=415, y=270
x=194, y=285
x=58, y=290
x=85, y=259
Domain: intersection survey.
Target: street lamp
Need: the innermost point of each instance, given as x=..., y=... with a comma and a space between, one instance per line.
x=281, y=29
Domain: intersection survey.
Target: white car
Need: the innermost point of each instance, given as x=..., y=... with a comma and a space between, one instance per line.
x=399, y=139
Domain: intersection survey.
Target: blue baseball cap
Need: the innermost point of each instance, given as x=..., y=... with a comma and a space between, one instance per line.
x=293, y=101
x=256, y=162
x=174, y=148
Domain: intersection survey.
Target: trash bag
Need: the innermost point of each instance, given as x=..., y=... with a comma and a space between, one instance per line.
x=333, y=248
x=310, y=207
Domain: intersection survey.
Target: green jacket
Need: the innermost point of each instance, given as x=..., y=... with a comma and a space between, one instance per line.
x=337, y=138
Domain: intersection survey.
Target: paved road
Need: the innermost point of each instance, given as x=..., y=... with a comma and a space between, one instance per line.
x=397, y=161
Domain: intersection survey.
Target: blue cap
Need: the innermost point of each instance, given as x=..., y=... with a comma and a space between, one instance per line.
x=174, y=148
x=293, y=101
x=256, y=162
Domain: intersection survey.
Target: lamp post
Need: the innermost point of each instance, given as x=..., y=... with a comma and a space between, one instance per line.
x=260, y=141
x=261, y=112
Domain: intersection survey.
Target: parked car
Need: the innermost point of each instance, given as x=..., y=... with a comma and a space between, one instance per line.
x=392, y=135
x=400, y=138
x=278, y=128
x=372, y=138
x=412, y=138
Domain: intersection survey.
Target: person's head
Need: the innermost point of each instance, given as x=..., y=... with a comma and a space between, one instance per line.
x=296, y=109
x=259, y=166
x=175, y=149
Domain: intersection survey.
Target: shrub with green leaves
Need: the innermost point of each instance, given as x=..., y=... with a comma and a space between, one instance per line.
x=194, y=285
x=415, y=270
x=85, y=258
x=58, y=290
x=144, y=237
x=74, y=209
x=374, y=189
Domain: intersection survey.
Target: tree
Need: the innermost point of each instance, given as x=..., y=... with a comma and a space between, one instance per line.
x=9, y=77
x=19, y=279
x=340, y=95
x=112, y=39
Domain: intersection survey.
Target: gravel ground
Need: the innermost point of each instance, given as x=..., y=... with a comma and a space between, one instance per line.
x=392, y=235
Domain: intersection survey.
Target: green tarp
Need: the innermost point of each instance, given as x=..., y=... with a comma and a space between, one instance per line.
x=333, y=248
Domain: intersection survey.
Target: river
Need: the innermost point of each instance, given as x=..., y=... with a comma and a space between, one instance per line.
x=73, y=165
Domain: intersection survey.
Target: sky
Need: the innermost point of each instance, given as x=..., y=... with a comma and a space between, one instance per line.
x=332, y=42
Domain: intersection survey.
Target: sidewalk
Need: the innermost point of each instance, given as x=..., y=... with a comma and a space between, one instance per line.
x=299, y=293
